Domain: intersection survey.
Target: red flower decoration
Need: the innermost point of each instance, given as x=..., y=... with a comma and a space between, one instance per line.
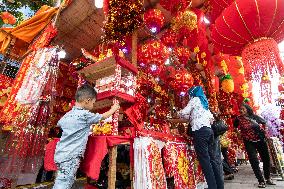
x=8, y=18
x=154, y=20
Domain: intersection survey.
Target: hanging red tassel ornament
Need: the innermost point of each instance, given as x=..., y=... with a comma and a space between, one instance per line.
x=152, y=54
x=260, y=56
x=252, y=28
x=8, y=18
x=265, y=89
x=154, y=20
x=227, y=83
x=169, y=38
x=182, y=82
x=183, y=54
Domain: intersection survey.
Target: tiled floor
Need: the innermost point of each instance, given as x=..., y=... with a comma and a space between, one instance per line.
x=245, y=179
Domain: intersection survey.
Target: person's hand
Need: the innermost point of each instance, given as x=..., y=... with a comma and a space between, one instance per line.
x=115, y=107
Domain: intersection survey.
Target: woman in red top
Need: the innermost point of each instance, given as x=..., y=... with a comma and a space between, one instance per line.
x=254, y=139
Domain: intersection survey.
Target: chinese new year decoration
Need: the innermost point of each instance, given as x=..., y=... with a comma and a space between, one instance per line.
x=154, y=20
x=153, y=52
x=227, y=83
x=175, y=6
x=251, y=28
x=184, y=23
x=123, y=18
x=169, y=38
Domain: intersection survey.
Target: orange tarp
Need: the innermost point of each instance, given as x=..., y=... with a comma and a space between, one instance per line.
x=29, y=29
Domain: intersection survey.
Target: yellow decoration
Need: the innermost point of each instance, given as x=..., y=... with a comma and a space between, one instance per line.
x=225, y=141
x=185, y=19
x=242, y=71
x=245, y=94
x=203, y=55
x=228, y=85
x=183, y=166
x=265, y=77
x=104, y=129
x=224, y=66
x=196, y=50
x=244, y=86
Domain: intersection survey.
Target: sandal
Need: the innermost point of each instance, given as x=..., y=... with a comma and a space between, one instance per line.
x=261, y=185
x=269, y=182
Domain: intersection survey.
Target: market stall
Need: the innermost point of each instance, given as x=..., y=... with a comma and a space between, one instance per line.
x=144, y=56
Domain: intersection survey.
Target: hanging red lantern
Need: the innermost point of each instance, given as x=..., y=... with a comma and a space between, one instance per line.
x=153, y=52
x=252, y=28
x=182, y=82
x=184, y=23
x=215, y=7
x=183, y=54
x=154, y=20
x=169, y=38
x=8, y=18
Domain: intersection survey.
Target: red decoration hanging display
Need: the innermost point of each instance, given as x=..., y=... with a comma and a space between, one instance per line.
x=154, y=20
x=265, y=89
x=183, y=54
x=175, y=6
x=261, y=56
x=182, y=82
x=169, y=38
x=184, y=23
x=215, y=8
x=152, y=53
x=251, y=28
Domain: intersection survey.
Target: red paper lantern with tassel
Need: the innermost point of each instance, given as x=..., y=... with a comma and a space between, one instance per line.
x=252, y=28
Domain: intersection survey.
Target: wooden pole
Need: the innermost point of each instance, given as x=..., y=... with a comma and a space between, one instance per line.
x=112, y=167
x=134, y=48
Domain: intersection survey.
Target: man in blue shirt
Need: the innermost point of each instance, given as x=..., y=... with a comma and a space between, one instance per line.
x=76, y=126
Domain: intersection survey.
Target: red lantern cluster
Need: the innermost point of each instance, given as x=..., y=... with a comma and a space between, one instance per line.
x=169, y=38
x=154, y=20
x=182, y=82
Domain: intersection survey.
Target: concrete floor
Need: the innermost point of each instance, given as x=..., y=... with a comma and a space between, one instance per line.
x=245, y=179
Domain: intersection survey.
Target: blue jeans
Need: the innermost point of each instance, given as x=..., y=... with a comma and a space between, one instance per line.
x=66, y=174
x=204, y=147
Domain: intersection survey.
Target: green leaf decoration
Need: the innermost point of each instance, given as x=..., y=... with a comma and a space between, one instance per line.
x=228, y=76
